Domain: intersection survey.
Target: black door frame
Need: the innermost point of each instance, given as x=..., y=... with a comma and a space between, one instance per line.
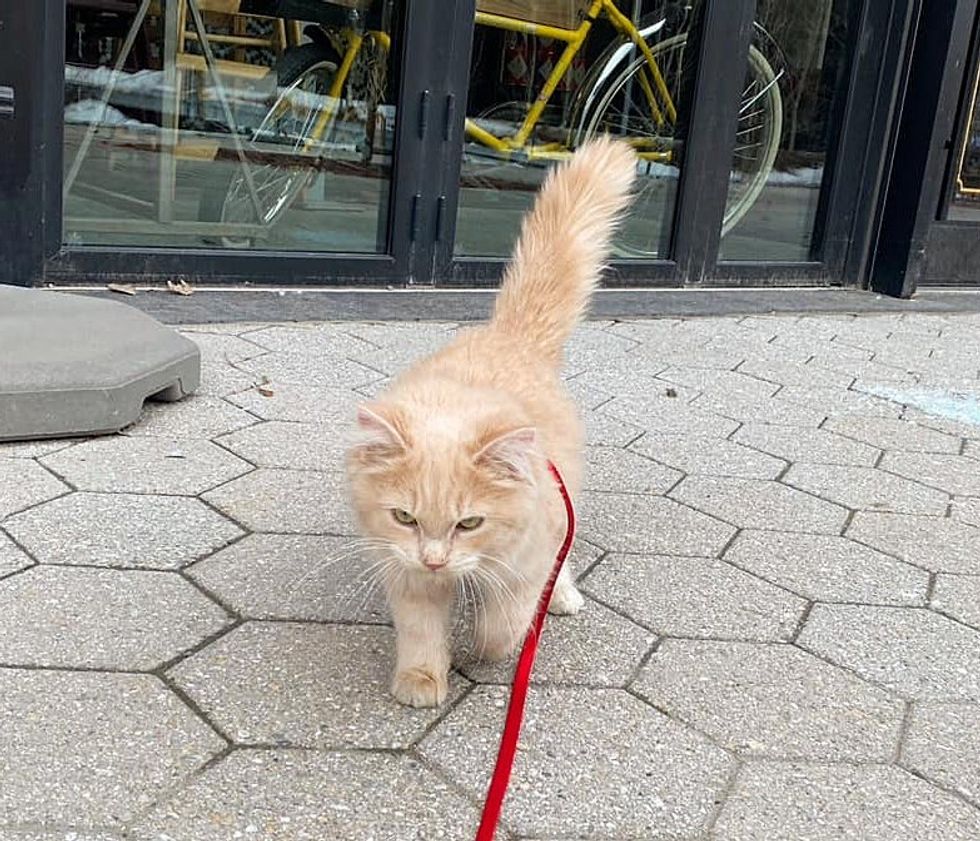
x=30, y=200
x=915, y=244
x=426, y=178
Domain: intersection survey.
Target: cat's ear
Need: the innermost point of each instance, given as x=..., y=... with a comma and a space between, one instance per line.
x=377, y=437
x=511, y=455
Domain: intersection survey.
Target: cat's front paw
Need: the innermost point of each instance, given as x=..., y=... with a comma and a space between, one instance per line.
x=566, y=599
x=419, y=687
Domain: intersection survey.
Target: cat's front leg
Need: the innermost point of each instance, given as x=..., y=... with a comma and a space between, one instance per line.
x=420, y=609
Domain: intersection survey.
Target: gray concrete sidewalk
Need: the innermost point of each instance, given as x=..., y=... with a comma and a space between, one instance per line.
x=780, y=545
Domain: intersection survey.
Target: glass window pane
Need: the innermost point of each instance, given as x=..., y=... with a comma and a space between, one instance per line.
x=544, y=79
x=283, y=141
x=966, y=195
x=787, y=122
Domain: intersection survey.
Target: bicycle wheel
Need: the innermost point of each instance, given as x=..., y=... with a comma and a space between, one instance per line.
x=283, y=150
x=622, y=108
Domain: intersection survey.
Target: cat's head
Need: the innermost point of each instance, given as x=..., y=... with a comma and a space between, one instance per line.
x=448, y=492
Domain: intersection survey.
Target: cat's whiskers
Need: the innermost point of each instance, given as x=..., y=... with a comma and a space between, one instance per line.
x=349, y=550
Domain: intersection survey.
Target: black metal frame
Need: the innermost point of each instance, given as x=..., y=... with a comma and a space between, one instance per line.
x=427, y=166
x=846, y=205
x=952, y=250
x=30, y=199
x=408, y=247
x=914, y=244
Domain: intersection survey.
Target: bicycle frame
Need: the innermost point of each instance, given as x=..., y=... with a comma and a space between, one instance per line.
x=651, y=82
x=354, y=42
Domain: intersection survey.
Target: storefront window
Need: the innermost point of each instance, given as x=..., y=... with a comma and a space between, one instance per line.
x=966, y=195
x=787, y=124
x=192, y=123
x=546, y=76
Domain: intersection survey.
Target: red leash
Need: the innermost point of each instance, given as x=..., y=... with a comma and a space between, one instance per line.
x=522, y=676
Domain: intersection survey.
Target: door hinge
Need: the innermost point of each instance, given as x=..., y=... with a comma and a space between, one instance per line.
x=447, y=129
x=440, y=217
x=423, y=114
x=414, y=222
x=6, y=101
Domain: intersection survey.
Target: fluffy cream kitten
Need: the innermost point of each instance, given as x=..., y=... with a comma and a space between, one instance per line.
x=448, y=469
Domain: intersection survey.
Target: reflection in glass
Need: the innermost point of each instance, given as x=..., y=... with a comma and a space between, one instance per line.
x=787, y=123
x=546, y=76
x=966, y=196
x=188, y=123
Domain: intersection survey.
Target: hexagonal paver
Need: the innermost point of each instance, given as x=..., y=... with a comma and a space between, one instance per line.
x=219, y=379
x=784, y=801
x=604, y=431
x=812, y=445
x=958, y=596
x=636, y=376
x=296, y=501
x=788, y=373
x=913, y=652
x=12, y=558
x=955, y=474
x=592, y=762
x=707, y=456
x=840, y=403
x=32, y=449
x=305, y=366
x=943, y=744
x=828, y=568
x=893, y=434
x=721, y=383
x=694, y=597
x=393, y=357
x=192, y=417
x=589, y=346
x=146, y=465
x=125, y=530
x=966, y=511
x=318, y=686
x=772, y=700
x=667, y=416
x=631, y=523
x=297, y=446
x=222, y=347
x=936, y=543
x=300, y=403
x=289, y=795
x=328, y=339
x=771, y=410
x=55, y=835
x=92, y=749
x=760, y=505
x=100, y=618
x=614, y=469
x=596, y=647
x=24, y=483
x=286, y=576
x=867, y=488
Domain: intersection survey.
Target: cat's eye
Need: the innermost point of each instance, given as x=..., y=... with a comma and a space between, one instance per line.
x=469, y=523
x=403, y=517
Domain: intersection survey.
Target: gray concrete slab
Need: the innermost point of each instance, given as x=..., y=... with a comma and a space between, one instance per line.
x=74, y=365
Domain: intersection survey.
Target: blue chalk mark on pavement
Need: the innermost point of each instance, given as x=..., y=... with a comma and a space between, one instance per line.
x=952, y=405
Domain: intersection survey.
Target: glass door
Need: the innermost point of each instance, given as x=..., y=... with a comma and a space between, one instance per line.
x=244, y=139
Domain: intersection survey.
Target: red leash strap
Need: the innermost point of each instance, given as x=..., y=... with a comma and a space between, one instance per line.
x=522, y=676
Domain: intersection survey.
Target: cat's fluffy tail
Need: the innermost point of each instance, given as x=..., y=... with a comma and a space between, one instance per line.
x=563, y=244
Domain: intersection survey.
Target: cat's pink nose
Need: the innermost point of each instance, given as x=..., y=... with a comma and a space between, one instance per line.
x=434, y=565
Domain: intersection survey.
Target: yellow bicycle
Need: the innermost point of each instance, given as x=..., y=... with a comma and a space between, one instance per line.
x=632, y=90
